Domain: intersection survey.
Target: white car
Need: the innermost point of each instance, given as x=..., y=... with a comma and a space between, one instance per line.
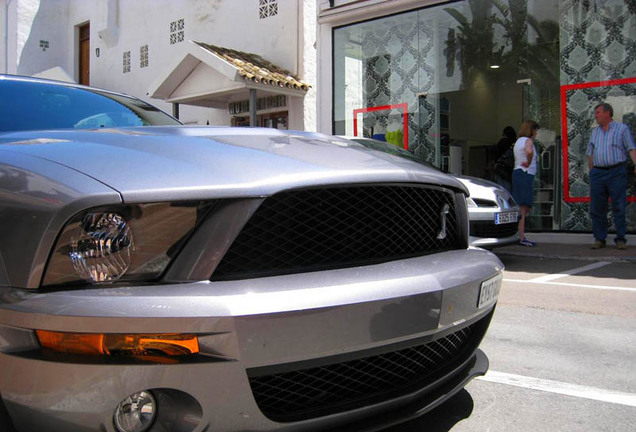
x=493, y=213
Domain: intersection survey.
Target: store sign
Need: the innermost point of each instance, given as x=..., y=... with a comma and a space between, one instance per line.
x=241, y=107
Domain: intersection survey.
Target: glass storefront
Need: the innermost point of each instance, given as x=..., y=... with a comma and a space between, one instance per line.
x=444, y=81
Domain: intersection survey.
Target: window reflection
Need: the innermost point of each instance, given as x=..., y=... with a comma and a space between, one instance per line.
x=465, y=70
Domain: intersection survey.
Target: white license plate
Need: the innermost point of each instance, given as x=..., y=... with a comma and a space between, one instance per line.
x=505, y=217
x=489, y=291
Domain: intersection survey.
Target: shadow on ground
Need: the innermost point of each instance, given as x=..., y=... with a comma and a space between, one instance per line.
x=542, y=265
x=442, y=418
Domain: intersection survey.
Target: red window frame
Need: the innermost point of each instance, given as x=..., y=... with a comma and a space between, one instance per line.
x=564, y=133
x=404, y=107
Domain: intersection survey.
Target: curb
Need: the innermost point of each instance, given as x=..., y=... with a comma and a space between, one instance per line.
x=573, y=238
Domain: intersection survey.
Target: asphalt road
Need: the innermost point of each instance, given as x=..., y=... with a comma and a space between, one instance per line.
x=562, y=350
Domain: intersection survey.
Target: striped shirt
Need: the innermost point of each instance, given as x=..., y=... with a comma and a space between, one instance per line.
x=610, y=147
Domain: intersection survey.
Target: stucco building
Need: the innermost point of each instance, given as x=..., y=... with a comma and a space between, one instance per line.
x=193, y=53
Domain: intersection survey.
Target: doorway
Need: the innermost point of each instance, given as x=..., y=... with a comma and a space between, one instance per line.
x=84, y=54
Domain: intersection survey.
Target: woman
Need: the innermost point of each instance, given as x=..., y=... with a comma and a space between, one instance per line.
x=523, y=175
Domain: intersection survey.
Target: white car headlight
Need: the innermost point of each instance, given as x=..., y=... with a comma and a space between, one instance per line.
x=121, y=243
x=101, y=247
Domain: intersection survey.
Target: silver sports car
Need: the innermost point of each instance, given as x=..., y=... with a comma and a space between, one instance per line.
x=157, y=277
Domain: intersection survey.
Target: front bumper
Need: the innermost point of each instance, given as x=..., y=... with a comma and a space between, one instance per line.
x=483, y=231
x=492, y=242
x=248, y=325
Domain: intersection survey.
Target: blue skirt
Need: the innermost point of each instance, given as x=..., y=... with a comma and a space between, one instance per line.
x=522, y=187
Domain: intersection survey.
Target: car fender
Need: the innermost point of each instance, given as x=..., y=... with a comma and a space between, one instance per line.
x=38, y=197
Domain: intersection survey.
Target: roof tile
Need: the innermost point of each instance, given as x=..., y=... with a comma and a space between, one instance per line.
x=253, y=67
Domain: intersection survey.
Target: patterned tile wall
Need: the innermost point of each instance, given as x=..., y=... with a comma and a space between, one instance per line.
x=598, y=43
x=399, y=66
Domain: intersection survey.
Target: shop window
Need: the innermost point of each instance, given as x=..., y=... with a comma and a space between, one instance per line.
x=495, y=67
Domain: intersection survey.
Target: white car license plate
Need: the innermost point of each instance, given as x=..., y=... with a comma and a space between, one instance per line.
x=505, y=217
x=489, y=291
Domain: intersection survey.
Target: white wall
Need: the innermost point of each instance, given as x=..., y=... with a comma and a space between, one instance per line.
x=17, y=18
x=286, y=39
x=5, y=21
x=35, y=24
x=309, y=64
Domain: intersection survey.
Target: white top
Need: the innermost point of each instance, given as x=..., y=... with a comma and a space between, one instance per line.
x=519, y=150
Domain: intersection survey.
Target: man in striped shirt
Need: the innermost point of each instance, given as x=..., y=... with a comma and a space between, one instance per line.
x=608, y=151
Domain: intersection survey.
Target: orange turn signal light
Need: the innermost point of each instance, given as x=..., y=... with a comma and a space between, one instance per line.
x=116, y=344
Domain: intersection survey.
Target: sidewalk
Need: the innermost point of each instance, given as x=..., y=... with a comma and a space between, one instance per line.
x=571, y=246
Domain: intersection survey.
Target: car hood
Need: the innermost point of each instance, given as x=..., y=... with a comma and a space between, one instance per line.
x=182, y=163
x=478, y=187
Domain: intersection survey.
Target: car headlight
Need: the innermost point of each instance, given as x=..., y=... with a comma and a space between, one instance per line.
x=470, y=203
x=121, y=243
x=101, y=247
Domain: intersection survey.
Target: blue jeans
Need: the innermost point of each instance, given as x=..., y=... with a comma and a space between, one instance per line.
x=610, y=183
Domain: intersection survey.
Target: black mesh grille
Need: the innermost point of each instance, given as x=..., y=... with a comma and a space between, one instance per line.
x=317, y=391
x=489, y=229
x=316, y=229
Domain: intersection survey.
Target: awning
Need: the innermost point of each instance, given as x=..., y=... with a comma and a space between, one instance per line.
x=212, y=76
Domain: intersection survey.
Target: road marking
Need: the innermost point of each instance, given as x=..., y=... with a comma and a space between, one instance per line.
x=575, y=390
x=550, y=277
x=599, y=287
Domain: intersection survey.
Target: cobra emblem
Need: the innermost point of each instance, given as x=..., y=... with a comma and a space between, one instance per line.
x=442, y=216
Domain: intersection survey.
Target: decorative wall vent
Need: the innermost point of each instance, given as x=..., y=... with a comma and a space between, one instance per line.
x=44, y=44
x=126, y=61
x=267, y=8
x=143, y=56
x=177, y=31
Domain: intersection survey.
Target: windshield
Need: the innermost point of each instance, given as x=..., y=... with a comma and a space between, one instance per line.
x=391, y=149
x=33, y=105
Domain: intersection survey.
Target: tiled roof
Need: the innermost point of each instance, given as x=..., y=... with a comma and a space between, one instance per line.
x=255, y=68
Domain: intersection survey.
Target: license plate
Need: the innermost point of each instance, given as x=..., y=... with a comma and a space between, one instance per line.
x=505, y=217
x=489, y=291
